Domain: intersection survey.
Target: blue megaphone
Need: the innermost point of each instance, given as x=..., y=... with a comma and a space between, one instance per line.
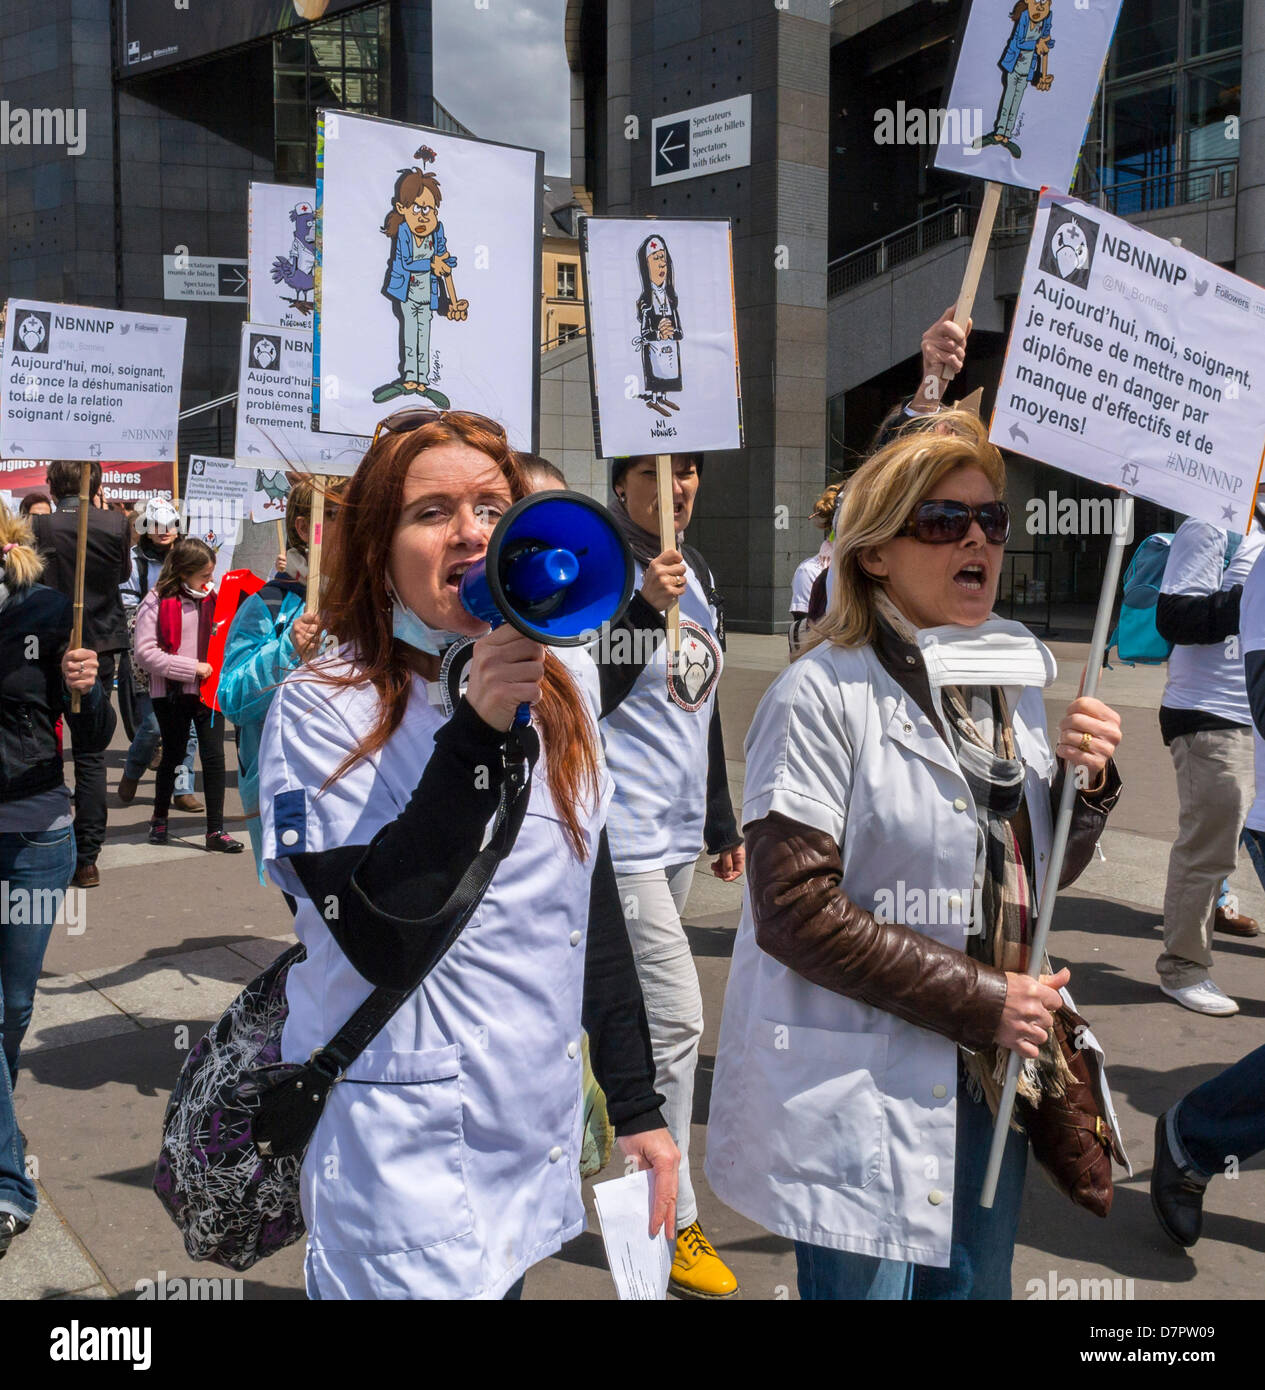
x=556, y=569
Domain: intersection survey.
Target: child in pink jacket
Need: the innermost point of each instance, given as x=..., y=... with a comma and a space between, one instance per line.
x=173, y=633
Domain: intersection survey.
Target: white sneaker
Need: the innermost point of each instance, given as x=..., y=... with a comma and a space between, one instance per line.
x=1203, y=998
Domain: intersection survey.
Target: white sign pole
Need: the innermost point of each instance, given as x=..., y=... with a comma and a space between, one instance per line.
x=1121, y=531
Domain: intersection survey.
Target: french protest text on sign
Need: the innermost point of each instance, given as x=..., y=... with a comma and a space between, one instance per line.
x=274, y=406
x=80, y=383
x=1133, y=362
x=216, y=501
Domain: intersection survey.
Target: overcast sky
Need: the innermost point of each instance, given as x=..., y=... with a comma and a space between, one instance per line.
x=502, y=71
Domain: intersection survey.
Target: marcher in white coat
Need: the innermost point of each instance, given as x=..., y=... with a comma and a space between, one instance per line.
x=446, y=1161
x=897, y=813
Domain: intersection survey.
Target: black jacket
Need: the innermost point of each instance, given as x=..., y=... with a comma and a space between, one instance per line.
x=109, y=564
x=34, y=634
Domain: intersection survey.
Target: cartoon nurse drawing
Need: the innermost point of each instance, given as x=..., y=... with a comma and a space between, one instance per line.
x=418, y=278
x=660, y=326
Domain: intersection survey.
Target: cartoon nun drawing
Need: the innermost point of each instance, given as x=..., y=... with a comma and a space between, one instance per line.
x=660, y=326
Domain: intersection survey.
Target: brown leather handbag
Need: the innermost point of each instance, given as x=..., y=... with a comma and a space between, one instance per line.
x=1070, y=1137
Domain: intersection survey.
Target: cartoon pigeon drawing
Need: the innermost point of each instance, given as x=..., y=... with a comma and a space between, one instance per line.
x=296, y=269
x=274, y=486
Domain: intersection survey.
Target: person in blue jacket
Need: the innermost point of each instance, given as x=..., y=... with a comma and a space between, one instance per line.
x=418, y=280
x=1024, y=62
x=270, y=636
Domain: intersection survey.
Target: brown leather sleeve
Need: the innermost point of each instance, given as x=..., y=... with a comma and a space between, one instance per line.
x=805, y=920
x=1089, y=815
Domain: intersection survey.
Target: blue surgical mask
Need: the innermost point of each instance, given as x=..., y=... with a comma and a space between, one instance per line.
x=408, y=628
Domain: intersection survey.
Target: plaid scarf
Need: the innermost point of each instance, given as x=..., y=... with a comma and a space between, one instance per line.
x=981, y=738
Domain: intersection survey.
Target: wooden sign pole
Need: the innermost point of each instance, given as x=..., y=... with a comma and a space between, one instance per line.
x=316, y=525
x=667, y=541
x=975, y=263
x=281, y=537
x=81, y=564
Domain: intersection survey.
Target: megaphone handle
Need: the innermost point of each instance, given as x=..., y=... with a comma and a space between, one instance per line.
x=522, y=716
x=667, y=541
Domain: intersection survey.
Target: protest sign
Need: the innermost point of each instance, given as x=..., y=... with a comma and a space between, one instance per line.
x=274, y=415
x=1135, y=363
x=120, y=482
x=268, y=495
x=80, y=383
x=282, y=255
x=428, y=275
x=663, y=345
x=1023, y=88
x=215, y=503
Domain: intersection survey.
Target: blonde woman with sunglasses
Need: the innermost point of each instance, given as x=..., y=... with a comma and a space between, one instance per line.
x=898, y=819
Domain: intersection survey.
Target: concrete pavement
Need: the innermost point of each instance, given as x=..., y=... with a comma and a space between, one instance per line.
x=172, y=934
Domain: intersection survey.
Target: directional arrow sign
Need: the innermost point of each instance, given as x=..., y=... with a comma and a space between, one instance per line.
x=211, y=279
x=672, y=148
x=704, y=140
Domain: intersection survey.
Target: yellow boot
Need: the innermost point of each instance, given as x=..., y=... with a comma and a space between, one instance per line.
x=698, y=1271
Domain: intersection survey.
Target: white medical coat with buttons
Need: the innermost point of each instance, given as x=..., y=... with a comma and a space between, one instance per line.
x=832, y=1121
x=446, y=1161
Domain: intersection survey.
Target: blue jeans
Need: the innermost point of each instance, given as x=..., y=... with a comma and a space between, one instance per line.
x=1223, y=1118
x=146, y=740
x=983, y=1242
x=1254, y=842
x=35, y=870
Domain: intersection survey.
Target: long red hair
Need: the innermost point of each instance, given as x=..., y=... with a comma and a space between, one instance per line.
x=356, y=606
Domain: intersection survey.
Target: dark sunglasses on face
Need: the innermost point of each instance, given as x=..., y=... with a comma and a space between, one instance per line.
x=415, y=416
x=942, y=521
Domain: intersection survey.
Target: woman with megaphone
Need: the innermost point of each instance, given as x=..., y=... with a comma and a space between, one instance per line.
x=445, y=1162
x=666, y=753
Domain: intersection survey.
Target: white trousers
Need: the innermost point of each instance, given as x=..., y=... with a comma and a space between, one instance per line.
x=653, y=903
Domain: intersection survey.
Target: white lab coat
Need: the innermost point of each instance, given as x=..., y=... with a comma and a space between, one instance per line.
x=446, y=1162
x=832, y=1121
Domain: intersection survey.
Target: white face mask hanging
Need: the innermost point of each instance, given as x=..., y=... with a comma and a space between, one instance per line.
x=408, y=628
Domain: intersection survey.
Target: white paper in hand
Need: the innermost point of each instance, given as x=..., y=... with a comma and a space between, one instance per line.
x=639, y=1263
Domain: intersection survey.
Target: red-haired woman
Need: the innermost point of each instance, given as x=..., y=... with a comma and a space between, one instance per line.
x=445, y=1162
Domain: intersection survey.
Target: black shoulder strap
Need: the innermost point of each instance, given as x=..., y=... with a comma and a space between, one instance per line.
x=700, y=567
x=288, y=1112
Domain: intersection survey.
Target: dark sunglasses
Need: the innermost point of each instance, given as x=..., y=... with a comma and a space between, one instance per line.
x=941, y=522
x=415, y=416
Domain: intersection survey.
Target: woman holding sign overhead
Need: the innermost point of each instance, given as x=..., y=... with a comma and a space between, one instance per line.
x=666, y=753
x=898, y=820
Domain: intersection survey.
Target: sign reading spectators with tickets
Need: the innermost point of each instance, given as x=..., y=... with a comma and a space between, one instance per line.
x=80, y=383
x=1023, y=88
x=1136, y=364
x=274, y=407
x=282, y=257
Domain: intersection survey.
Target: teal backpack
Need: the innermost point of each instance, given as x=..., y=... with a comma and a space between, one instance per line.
x=1136, y=639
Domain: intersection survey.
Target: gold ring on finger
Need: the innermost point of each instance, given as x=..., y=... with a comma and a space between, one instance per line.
x=1086, y=742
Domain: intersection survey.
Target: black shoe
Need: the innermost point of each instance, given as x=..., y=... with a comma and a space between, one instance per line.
x=158, y=832
x=220, y=843
x=11, y=1227
x=1177, y=1196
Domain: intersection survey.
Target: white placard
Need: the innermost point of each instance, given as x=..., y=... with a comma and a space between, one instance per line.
x=640, y=1263
x=274, y=413
x=80, y=383
x=268, y=496
x=1023, y=89
x=1136, y=364
x=282, y=254
x=438, y=306
x=211, y=279
x=703, y=140
x=215, y=503
x=659, y=302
